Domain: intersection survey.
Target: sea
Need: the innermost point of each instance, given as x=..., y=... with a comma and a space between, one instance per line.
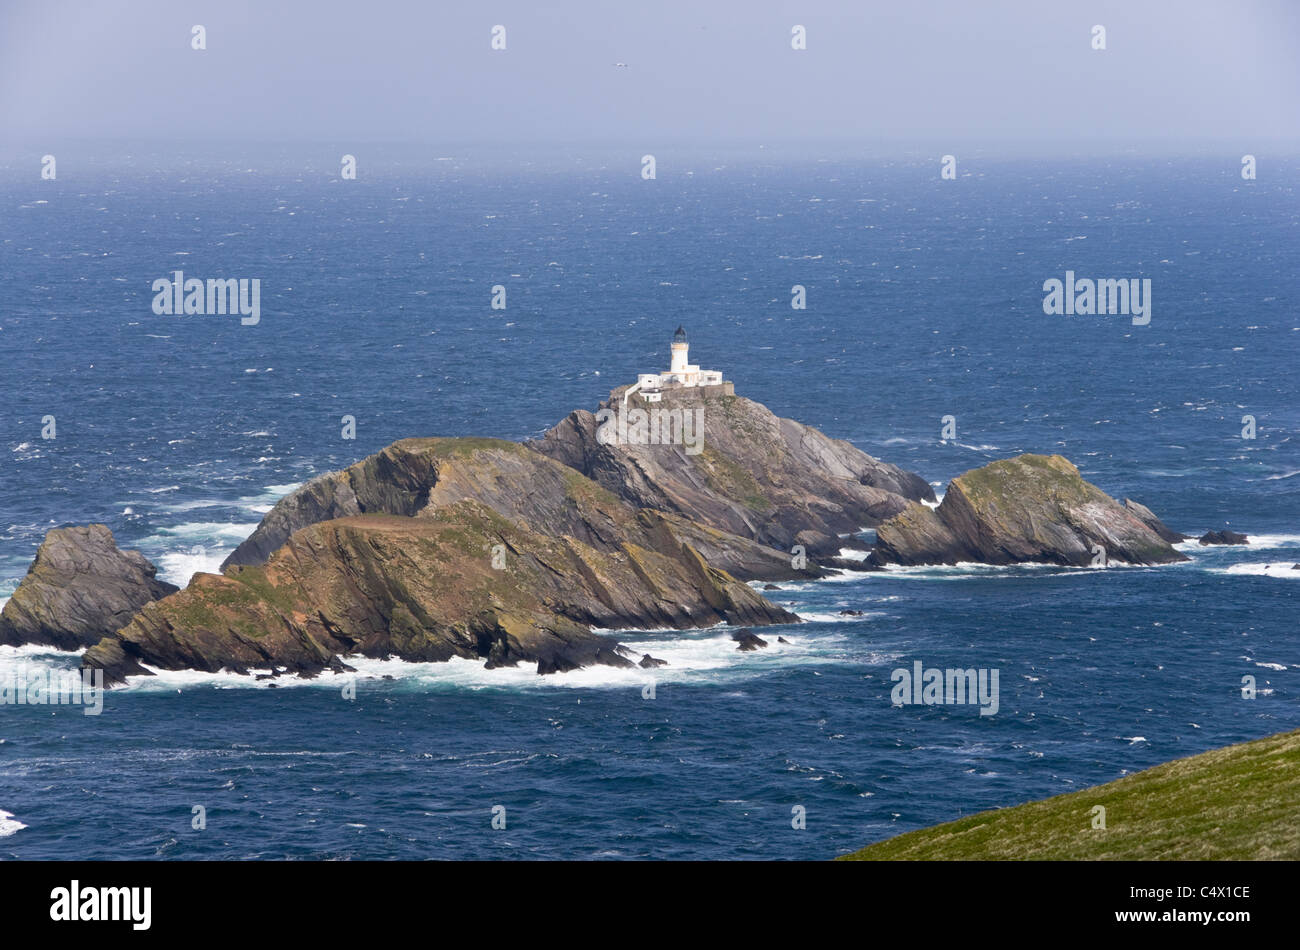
x=924, y=300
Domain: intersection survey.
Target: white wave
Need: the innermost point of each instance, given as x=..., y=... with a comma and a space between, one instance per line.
x=688, y=658
x=260, y=503
x=179, y=567
x=853, y=554
x=847, y=575
x=17, y=661
x=199, y=503
x=787, y=587
x=1271, y=666
x=1260, y=570
x=691, y=654
x=8, y=824
x=818, y=616
x=1274, y=478
x=186, y=549
x=210, y=530
x=964, y=569
x=1256, y=541
x=32, y=649
x=1273, y=540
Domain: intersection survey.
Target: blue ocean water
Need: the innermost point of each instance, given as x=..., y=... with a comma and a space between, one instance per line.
x=924, y=300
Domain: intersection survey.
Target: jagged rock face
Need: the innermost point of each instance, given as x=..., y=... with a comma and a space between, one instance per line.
x=756, y=475
x=464, y=547
x=79, y=589
x=1148, y=518
x=395, y=481
x=415, y=477
x=1033, y=508
x=433, y=587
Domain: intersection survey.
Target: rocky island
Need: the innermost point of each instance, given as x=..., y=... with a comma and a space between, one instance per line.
x=663, y=509
x=1032, y=508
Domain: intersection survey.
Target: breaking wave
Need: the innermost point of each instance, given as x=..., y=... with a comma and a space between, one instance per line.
x=8, y=824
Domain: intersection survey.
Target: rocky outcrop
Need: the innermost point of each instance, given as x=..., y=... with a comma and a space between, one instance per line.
x=414, y=477
x=79, y=589
x=434, y=548
x=1033, y=508
x=747, y=641
x=508, y=553
x=1148, y=518
x=476, y=569
x=754, y=475
x=1223, y=537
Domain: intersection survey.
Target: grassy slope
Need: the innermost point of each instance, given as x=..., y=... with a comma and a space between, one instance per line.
x=1241, y=802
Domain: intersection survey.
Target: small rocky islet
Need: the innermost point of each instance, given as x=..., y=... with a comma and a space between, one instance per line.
x=512, y=552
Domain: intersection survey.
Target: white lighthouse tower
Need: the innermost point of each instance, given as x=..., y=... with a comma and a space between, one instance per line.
x=679, y=348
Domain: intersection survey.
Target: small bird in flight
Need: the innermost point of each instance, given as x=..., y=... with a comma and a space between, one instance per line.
x=624, y=65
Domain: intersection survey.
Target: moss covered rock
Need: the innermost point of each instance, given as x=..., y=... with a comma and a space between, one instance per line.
x=1032, y=508
x=460, y=581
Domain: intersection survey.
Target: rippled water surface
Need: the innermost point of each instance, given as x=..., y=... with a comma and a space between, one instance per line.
x=925, y=300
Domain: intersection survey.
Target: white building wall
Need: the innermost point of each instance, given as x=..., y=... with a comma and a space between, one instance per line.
x=680, y=373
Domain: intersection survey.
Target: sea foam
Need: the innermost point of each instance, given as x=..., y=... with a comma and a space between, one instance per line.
x=8, y=824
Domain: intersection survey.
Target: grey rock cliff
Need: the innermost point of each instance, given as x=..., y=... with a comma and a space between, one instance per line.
x=79, y=589
x=757, y=475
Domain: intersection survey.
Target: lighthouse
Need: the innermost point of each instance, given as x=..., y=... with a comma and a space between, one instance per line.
x=679, y=350
x=681, y=374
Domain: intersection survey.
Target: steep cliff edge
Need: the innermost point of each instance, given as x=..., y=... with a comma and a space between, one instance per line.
x=751, y=474
x=458, y=581
x=466, y=547
x=79, y=589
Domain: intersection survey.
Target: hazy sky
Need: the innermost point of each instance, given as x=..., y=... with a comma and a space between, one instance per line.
x=701, y=72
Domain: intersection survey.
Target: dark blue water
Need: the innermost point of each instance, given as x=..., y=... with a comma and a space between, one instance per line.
x=925, y=300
